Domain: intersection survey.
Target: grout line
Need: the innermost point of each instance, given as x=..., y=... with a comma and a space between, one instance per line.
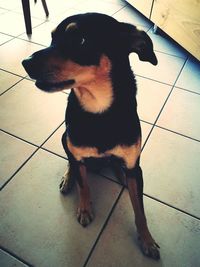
x=54, y=153
x=37, y=149
x=144, y=77
x=52, y=133
x=152, y=197
x=150, y=123
x=169, y=130
x=170, y=92
x=7, y=34
x=168, y=38
x=16, y=257
x=30, y=41
x=187, y=90
x=103, y=228
x=112, y=210
x=118, y=10
x=163, y=34
x=12, y=73
x=183, y=135
x=172, y=55
x=154, y=124
x=6, y=9
x=11, y=86
x=171, y=206
x=12, y=38
x=20, y=167
x=19, y=138
x=147, y=138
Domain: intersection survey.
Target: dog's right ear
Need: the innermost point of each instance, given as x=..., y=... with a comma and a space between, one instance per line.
x=137, y=41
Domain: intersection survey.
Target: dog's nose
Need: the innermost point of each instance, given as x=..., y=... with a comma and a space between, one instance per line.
x=29, y=67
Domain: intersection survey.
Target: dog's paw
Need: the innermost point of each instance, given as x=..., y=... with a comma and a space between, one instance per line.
x=85, y=216
x=150, y=248
x=66, y=183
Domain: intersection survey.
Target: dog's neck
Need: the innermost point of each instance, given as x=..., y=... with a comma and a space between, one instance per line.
x=96, y=93
x=108, y=83
x=95, y=97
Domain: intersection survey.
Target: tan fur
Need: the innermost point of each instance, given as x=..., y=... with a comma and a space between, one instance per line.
x=71, y=26
x=97, y=95
x=93, y=86
x=129, y=154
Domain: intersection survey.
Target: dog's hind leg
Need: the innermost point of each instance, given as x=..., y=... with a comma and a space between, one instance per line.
x=135, y=186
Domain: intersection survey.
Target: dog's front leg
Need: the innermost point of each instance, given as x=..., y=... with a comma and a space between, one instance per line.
x=84, y=212
x=135, y=186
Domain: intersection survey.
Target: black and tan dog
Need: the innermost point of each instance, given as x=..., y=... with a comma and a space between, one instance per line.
x=89, y=53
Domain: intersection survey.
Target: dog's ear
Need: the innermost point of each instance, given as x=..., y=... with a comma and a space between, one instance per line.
x=137, y=41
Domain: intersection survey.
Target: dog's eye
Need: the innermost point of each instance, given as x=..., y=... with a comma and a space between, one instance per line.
x=82, y=41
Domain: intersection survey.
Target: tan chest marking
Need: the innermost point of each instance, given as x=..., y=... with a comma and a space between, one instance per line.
x=94, y=90
x=129, y=154
x=96, y=99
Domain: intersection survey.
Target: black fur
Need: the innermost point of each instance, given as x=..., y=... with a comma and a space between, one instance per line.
x=94, y=47
x=103, y=35
x=117, y=125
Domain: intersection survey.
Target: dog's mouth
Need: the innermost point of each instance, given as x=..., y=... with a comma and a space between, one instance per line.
x=54, y=86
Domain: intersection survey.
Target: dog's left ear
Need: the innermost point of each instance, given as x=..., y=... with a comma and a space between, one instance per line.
x=137, y=41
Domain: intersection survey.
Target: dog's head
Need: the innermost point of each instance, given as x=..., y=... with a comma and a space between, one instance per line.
x=83, y=45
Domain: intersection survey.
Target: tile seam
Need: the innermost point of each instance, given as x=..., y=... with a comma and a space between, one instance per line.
x=12, y=254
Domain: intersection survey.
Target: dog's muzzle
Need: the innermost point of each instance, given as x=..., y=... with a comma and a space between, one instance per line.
x=30, y=68
x=36, y=69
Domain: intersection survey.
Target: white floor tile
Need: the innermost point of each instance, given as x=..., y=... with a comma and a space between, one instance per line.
x=105, y=7
x=13, y=154
x=7, y=80
x=151, y=96
x=176, y=233
x=4, y=38
x=171, y=167
x=190, y=76
x=2, y=11
x=130, y=15
x=18, y=50
x=166, y=71
x=7, y=260
x=181, y=113
x=54, y=144
x=17, y=26
x=163, y=44
x=30, y=113
x=39, y=224
x=10, y=5
x=41, y=34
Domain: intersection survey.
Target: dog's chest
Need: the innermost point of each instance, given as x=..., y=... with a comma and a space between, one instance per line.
x=129, y=154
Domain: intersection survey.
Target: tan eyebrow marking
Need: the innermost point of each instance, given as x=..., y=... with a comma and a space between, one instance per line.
x=71, y=26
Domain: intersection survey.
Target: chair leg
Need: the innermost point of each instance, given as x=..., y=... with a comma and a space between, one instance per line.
x=27, y=16
x=45, y=7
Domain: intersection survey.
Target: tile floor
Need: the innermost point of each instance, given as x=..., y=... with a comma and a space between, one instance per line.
x=38, y=225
